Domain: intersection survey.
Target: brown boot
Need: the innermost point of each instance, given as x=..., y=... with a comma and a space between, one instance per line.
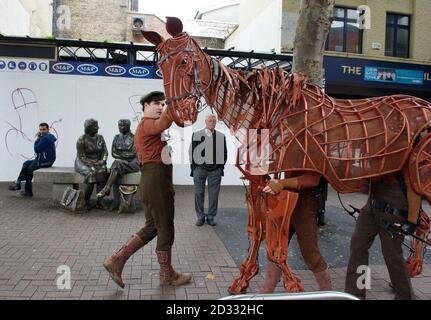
x=114, y=264
x=323, y=279
x=167, y=273
x=272, y=277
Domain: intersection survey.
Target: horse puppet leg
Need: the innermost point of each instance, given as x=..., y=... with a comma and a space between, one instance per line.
x=415, y=259
x=418, y=180
x=279, y=214
x=255, y=229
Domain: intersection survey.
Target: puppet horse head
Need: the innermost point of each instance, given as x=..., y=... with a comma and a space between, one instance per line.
x=180, y=63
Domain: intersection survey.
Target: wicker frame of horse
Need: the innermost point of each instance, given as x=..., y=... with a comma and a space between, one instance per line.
x=346, y=141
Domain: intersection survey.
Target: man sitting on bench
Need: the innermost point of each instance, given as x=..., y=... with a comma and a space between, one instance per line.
x=44, y=147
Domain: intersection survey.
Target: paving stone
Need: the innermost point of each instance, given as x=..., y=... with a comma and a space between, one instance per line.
x=36, y=237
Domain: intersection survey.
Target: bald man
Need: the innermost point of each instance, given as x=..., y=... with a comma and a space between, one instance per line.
x=208, y=156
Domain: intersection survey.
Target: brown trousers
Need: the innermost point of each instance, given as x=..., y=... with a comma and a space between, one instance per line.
x=157, y=196
x=304, y=224
x=369, y=224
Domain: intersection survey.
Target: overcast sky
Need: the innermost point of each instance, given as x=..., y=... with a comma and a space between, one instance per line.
x=184, y=9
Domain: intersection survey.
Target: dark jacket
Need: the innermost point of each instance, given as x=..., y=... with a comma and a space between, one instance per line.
x=197, y=151
x=45, y=150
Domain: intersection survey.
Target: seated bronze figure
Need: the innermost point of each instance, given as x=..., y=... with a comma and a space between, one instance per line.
x=91, y=159
x=124, y=153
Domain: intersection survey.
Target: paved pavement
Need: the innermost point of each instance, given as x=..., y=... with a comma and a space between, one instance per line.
x=37, y=237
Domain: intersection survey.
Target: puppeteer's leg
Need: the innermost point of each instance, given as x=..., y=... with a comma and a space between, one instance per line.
x=255, y=228
x=277, y=236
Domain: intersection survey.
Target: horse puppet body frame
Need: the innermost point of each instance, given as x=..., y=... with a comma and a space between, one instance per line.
x=345, y=141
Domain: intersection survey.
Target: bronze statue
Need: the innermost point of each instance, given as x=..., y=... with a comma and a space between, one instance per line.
x=91, y=159
x=126, y=161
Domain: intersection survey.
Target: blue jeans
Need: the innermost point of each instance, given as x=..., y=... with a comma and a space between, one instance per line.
x=26, y=173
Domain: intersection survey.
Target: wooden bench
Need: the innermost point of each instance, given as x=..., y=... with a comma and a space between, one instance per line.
x=63, y=177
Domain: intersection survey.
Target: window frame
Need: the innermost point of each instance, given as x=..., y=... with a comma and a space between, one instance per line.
x=346, y=20
x=397, y=26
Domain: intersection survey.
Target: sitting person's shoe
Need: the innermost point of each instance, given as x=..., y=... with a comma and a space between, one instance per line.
x=15, y=187
x=27, y=194
x=211, y=222
x=104, y=192
x=200, y=222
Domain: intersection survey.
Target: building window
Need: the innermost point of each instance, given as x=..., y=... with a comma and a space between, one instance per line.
x=397, y=35
x=345, y=34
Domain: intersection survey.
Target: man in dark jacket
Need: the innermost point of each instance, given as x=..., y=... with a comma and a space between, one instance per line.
x=208, y=155
x=44, y=147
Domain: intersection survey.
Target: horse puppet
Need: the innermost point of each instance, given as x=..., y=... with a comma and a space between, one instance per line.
x=345, y=141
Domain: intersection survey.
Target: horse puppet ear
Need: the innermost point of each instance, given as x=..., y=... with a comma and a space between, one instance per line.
x=153, y=37
x=174, y=26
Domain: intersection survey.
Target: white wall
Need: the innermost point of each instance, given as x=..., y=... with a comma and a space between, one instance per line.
x=26, y=17
x=40, y=18
x=260, y=26
x=67, y=101
x=14, y=19
x=225, y=14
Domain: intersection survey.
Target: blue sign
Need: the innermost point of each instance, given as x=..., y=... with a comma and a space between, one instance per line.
x=129, y=71
x=387, y=75
x=32, y=66
x=87, y=69
x=158, y=73
x=62, y=67
x=2, y=64
x=99, y=69
x=42, y=66
x=365, y=74
x=11, y=65
x=115, y=71
x=22, y=65
x=140, y=72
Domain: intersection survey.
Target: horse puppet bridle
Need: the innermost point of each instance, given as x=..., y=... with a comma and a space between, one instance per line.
x=197, y=89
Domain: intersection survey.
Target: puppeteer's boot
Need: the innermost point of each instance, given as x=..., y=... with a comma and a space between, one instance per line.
x=167, y=273
x=272, y=277
x=115, y=264
x=323, y=279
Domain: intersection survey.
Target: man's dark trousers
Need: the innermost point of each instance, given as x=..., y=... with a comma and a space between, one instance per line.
x=370, y=223
x=26, y=174
x=200, y=175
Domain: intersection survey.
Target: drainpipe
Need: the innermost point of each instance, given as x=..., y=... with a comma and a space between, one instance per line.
x=54, y=22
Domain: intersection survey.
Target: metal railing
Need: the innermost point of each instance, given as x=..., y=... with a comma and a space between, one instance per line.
x=140, y=54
